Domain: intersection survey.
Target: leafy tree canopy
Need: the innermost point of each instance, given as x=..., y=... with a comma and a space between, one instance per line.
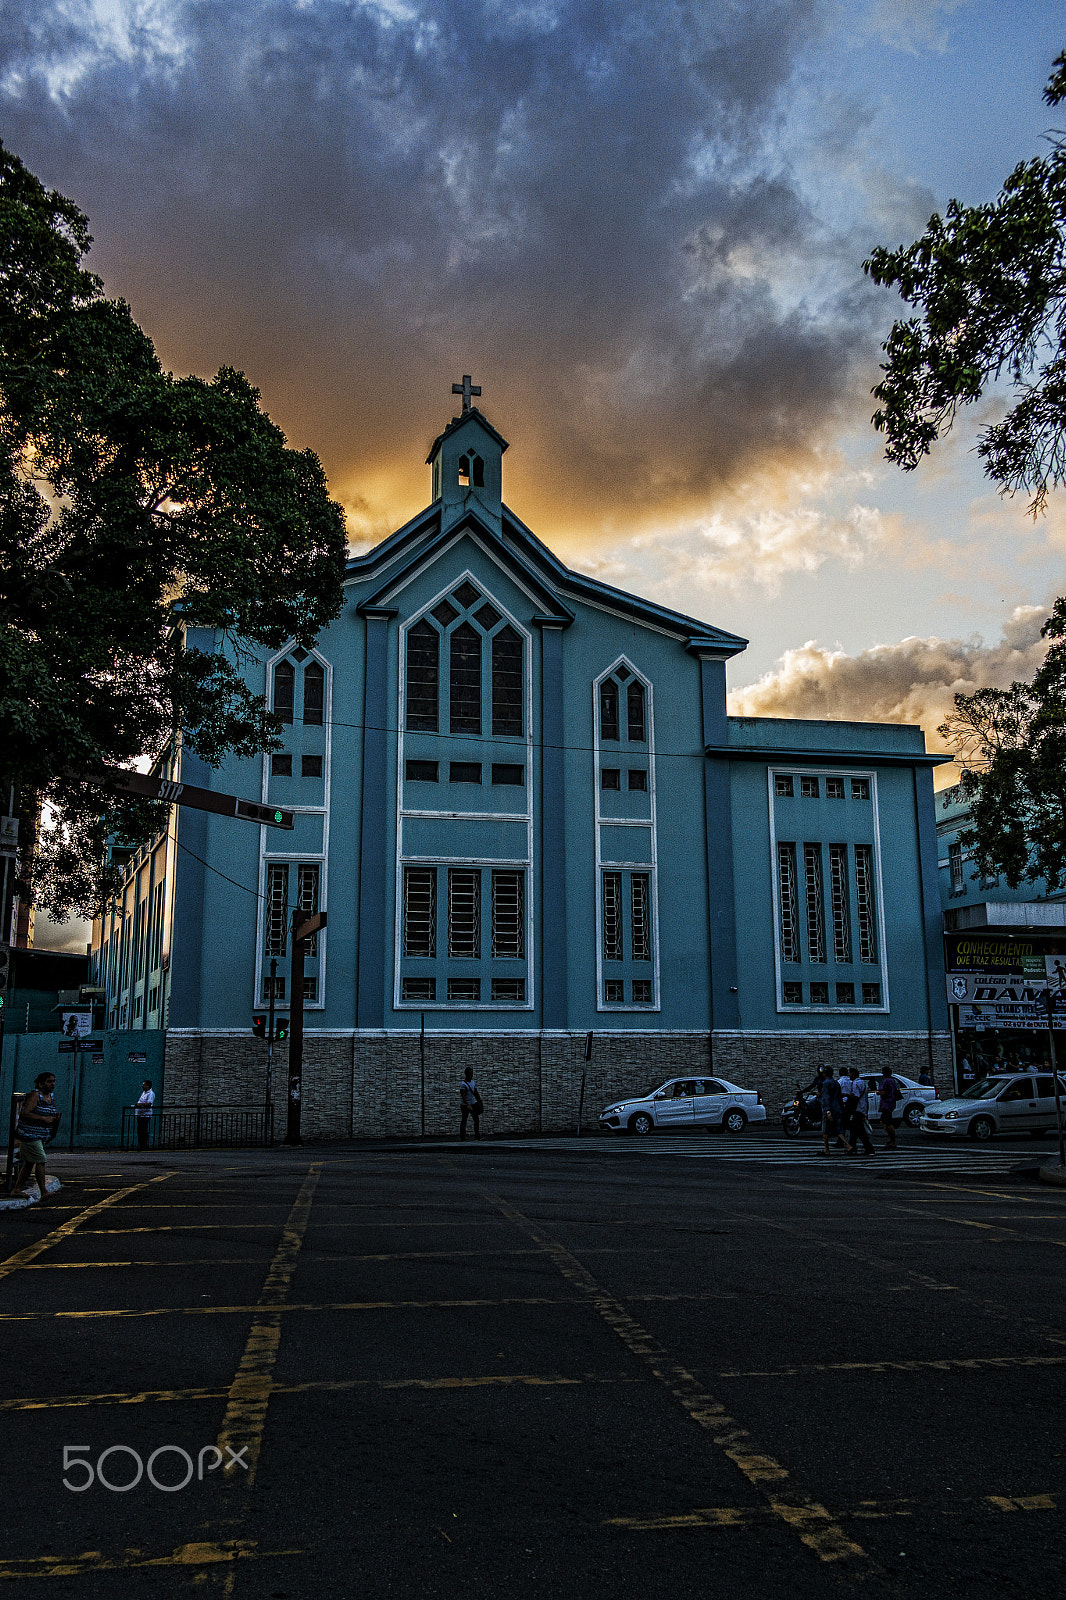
x=133, y=506
x=989, y=283
x=1012, y=746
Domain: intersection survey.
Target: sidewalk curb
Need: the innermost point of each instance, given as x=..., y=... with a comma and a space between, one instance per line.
x=1053, y=1174
x=12, y=1203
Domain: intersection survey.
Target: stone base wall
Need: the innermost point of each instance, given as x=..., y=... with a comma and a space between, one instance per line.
x=371, y=1085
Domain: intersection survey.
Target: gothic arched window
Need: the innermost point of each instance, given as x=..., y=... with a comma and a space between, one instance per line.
x=284, y=689
x=314, y=693
x=635, y=708
x=507, y=683
x=465, y=686
x=423, y=677
x=608, y=709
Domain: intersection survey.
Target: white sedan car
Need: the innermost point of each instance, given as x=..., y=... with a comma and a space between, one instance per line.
x=1008, y=1103
x=686, y=1103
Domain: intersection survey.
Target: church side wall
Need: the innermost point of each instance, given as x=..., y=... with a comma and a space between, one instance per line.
x=369, y=1085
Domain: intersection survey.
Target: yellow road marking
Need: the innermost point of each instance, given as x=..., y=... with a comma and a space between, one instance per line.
x=21, y=1257
x=343, y=1222
x=138, y=1397
x=249, y=1393
x=256, y=1261
x=991, y=1227
x=934, y=1364
x=812, y=1523
x=204, y=1554
x=865, y=1511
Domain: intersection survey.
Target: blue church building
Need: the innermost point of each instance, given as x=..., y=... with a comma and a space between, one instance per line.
x=523, y=806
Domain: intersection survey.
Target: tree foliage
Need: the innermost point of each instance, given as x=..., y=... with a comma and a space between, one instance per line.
x=134, y=506
x=1012, y=746
x=989, y=283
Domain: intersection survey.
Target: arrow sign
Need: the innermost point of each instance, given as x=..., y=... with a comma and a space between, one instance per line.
x=187, y=794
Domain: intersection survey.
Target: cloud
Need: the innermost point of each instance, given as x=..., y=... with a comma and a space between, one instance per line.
x=913, y=681
x=910, y=24
x=357, y=200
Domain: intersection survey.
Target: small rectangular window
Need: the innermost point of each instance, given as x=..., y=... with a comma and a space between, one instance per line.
x=845, y=994
x=464, y=989
x=614, y=992
x=419, y=989
x=421, y=772
x=808, y=788
x=310, y=766
x=642, y=991
x=508, y=772
x=834, y=788
x=153, y=1001
x=509, y=989
x=783, y=786
x=860, y=788
x=793, y=994
x=279, y=988
x=610, y=777
x=819, y=994
x=311, y=989
x=281, y=766
x=871, y=994
x=638, y=779
x=464, y=772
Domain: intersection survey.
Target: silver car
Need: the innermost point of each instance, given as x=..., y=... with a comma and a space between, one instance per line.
x=1010, y=1102
x=686, y=1103
x=914, y=1098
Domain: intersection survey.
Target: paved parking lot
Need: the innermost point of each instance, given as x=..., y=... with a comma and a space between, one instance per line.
x=530, y=1367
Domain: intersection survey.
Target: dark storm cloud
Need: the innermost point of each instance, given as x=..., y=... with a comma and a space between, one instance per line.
x=583, y=203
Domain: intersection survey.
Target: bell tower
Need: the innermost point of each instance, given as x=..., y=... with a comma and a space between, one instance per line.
x=466, y=461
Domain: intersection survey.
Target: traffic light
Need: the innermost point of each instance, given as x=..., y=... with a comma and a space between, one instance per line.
x=281, y=1028
x=259, y=1027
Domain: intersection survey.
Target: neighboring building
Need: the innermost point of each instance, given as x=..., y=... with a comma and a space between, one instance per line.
x=997, y=941
x=521, y=800
x=39, y=980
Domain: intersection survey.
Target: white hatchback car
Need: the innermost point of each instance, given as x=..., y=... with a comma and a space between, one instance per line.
x=1011, y=1102
x=686, y=1103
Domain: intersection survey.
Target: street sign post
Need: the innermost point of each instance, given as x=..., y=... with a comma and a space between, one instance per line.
x=303, y=927
x=187, y=794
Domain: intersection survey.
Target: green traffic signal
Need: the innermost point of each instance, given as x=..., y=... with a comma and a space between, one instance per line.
x=279, y=816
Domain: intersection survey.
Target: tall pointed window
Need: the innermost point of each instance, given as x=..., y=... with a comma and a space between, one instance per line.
x=314, y=693
x=507, y=683
x=635, y=707
x=284, y=689
x=608, y=709
x=423, y=677
x=465, y=696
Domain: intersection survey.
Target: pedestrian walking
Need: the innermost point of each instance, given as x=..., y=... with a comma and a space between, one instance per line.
x=860, y=1121
x=887, y=1097
x=849, y=1098
x=37, y=1122
x=471, y=1103
x=144, y=1114
x=832, y=1111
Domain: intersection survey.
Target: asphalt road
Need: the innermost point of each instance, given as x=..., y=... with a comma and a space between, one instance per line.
x=528, y=1369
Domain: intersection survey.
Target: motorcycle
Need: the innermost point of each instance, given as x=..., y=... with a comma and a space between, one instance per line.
x=803, y=1114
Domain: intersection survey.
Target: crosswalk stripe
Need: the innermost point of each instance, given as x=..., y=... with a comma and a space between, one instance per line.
x=767, y=1151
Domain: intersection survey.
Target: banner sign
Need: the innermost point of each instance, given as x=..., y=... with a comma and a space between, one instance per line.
x=991, y=955
x=980, y=1019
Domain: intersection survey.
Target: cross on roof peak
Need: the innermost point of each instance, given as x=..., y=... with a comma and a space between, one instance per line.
x=466, y=389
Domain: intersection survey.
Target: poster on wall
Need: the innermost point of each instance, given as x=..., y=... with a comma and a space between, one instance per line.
x=77, y=1024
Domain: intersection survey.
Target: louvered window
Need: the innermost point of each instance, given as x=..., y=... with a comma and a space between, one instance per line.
x=864, y=899
x=507, y=683
x=612, y=916
x=786, y=887
x=635, y=708
x=284, y=689
x=419, y=912
x=157, y=926
x=307, y=899
x=508, y=914
x=423, y=677
x=815, y=902
x=277, y=908
x=314, y=693
x=838, y=891
x=641, y=919
x=464, y=913
x=465, y=686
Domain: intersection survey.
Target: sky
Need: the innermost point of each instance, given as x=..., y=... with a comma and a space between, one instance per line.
x=640, y=226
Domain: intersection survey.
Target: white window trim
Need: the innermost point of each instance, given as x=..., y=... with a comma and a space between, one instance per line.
x=858, y=1009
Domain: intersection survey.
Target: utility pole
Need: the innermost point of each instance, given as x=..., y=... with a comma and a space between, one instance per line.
x=1049, y=1001
x=270, y=1034
x=301, y=932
